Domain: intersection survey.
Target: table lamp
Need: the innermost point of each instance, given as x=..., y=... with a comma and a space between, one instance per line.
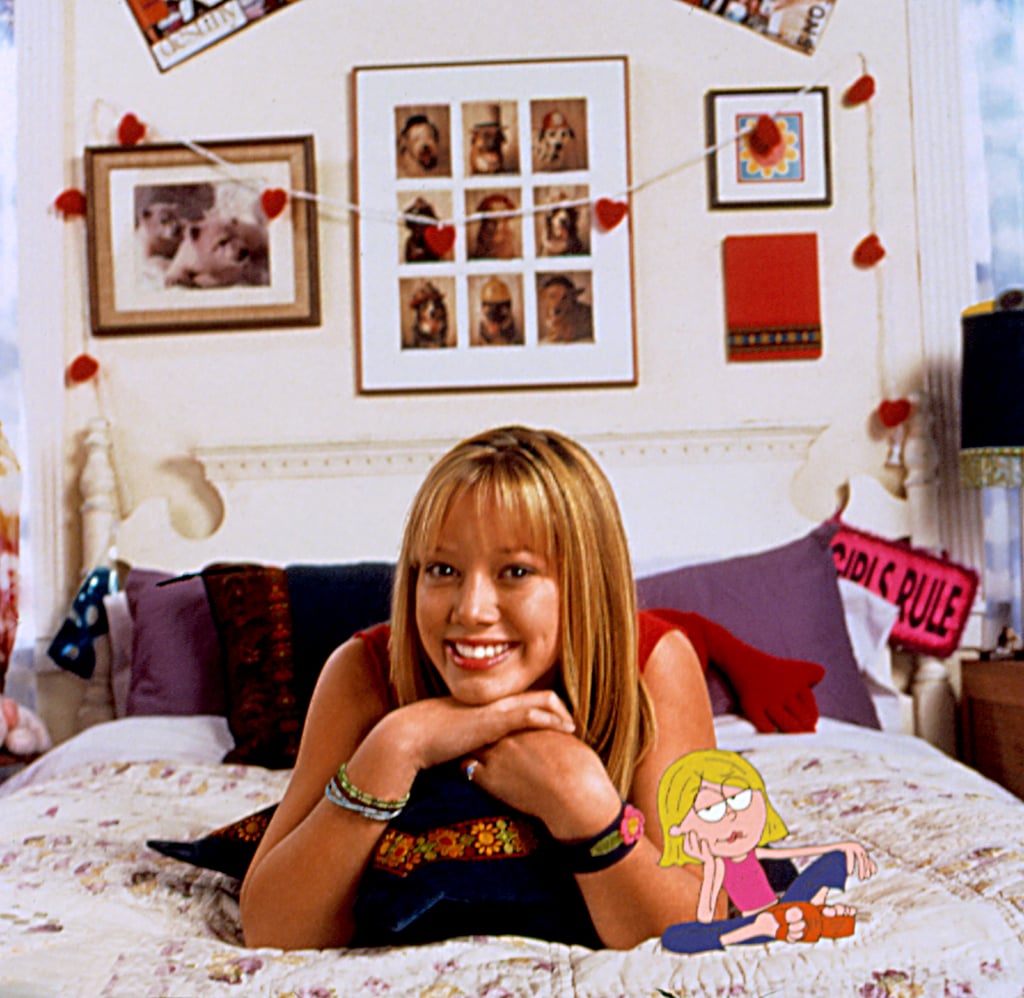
x=992, y=459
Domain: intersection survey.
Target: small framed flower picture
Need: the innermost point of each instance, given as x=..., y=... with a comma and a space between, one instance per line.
x=768, y=148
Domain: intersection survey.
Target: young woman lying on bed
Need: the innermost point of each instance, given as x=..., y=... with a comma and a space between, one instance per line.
x=517, y=713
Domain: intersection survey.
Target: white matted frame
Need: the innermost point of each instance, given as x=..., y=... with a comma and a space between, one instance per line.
x=794, y=172
x=457, y=303
x=247, y=270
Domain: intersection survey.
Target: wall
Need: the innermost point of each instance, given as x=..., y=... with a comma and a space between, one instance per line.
x=168, y=395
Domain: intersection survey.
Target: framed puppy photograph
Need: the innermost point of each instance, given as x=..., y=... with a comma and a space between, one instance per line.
x=503, y=276
x=206, y=236
x=768, y=148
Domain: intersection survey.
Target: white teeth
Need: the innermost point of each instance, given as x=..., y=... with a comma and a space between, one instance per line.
x=480, y=651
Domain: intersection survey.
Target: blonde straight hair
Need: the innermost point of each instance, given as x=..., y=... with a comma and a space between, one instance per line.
x=551, y=485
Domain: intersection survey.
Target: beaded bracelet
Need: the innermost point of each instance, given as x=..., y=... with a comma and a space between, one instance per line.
x=608, y=846
x=368, y=799
x=340, y=790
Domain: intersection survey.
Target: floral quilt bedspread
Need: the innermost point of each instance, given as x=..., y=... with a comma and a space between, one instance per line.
x=87, y=910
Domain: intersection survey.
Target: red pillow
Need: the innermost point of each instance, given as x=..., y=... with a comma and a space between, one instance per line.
x=784, y=601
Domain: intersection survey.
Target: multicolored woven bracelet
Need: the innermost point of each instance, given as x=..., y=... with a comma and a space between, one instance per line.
x=612, y=843
x=340, y=790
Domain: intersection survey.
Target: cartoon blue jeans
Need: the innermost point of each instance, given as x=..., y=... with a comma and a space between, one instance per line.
x=698, y=937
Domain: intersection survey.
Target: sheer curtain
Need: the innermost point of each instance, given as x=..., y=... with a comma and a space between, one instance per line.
x=993, y=75
x=19, y=681
x=994, y=111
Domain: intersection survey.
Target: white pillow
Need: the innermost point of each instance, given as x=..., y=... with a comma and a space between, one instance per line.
x=869, y=621
x=119, y=618
x=199, y=738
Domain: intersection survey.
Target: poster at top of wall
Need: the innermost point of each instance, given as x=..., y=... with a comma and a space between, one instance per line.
x=178, y=29
x=798, y=23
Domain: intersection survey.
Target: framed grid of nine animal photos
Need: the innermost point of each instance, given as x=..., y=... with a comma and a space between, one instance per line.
x=480, y=263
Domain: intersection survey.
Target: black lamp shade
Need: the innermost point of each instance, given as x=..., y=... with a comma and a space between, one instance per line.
x=992, y=399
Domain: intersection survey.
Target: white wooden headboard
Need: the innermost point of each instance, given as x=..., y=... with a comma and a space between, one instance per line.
x=342, y=501
x=684, y=496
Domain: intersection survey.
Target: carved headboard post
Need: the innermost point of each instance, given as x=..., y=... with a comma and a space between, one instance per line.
x=934, y=704
x=100, y=508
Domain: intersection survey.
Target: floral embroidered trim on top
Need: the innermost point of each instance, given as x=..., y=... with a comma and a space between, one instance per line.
x=251, y=828
x=478, y=839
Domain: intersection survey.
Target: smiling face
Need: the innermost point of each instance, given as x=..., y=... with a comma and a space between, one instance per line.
x=730, y=818
x=488, y=605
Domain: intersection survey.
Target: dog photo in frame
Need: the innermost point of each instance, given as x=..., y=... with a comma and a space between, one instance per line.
x=515, y=151
x=207, y=236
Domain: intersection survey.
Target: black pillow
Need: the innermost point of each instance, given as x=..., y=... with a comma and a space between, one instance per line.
x=329, y=603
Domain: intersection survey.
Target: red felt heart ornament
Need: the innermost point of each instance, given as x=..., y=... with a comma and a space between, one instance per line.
x=82, y=368
x=609, y=213
x=860, y=91
x=892, y=412
x=273, y=202
x=869, y=251
x=440, y=238
x=130, y=131
x=70, y=202
x=764, y=136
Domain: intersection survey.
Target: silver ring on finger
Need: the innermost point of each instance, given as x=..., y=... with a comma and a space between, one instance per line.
x=470, y=769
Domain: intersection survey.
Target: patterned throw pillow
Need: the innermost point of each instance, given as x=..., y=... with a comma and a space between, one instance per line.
x=253, y=617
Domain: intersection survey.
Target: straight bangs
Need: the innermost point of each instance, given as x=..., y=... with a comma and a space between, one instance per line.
x=502, y=482
x=513, y=493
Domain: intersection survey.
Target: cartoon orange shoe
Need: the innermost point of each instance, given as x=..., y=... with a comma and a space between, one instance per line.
x=819, y=925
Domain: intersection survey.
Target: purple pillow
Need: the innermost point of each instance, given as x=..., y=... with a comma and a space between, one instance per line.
x=176, y=660
x=784, y=601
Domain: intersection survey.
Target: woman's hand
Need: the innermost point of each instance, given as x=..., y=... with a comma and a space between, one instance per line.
x=438, y=729
x=552, y=775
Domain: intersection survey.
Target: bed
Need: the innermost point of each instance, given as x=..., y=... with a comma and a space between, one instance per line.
x=184, y=732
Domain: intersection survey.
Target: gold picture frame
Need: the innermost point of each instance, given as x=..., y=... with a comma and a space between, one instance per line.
x=207, y=236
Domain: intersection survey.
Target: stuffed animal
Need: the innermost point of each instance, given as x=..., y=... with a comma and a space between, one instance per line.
x=22, y=731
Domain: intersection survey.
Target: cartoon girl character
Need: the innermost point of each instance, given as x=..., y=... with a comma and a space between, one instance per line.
x=714, y=810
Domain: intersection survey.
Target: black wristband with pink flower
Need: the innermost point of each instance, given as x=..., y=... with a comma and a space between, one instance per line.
x=608, y=846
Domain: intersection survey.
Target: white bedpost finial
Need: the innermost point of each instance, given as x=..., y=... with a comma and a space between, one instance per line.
x=100, y=507
x=934, y=704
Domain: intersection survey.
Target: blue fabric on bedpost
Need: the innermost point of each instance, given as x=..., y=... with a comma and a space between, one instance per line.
x=72, y=647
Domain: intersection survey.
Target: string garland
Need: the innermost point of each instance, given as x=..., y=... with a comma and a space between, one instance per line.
x=132, y=128
x=609, y=209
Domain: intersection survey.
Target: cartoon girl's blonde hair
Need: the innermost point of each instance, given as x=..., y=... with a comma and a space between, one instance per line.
x=678, y=790
x=555, y=488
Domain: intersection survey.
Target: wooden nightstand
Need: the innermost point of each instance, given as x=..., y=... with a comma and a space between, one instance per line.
x=992, y=720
